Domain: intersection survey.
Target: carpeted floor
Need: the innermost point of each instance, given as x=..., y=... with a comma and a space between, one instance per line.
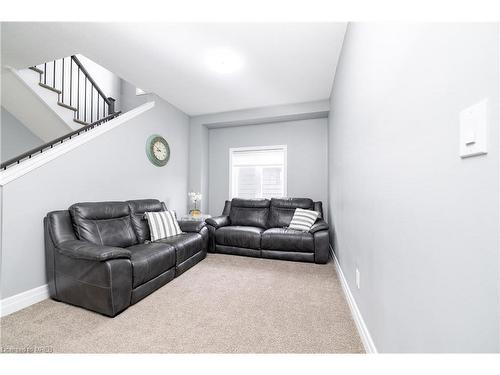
x=225, y=304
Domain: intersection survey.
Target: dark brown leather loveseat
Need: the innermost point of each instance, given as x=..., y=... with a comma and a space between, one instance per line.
x=258, y=228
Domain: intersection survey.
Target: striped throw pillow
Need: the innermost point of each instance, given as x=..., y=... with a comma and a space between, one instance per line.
x=162, y=224
x=303, y=220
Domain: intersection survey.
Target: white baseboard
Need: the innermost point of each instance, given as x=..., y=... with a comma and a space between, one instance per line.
x=364, y=333
x=20, y=301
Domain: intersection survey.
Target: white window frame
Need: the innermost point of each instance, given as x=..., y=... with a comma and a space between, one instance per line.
x=259, y=148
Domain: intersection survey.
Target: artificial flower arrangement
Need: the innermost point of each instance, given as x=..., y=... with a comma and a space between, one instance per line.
x=195, y=198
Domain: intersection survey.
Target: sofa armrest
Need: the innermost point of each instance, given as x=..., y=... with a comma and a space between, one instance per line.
x=77, y=249
x=218, y=221
x=321, y=246
x=191, y=225
x=319, y=225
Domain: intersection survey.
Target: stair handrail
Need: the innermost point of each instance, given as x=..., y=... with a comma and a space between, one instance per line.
x=38, y=150
x=91, y=80
x=109, y=101
x=64, y=86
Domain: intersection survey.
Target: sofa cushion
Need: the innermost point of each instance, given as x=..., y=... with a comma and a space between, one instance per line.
x=239, y=236
x=150, y=260
x=103, y=223
x=162, y=224
x=282, y=209
x=303, y=219
x=139, y=223
x=287, y=240
x=186, y=245
x=249, y=212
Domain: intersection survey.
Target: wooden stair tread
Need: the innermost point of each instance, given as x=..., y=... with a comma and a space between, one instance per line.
x=81, y=122
x=35, y=69
x=49, y=88
x=67, y=106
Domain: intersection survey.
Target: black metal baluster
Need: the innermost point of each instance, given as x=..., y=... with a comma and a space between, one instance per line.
x=78, y=96
x=54, y=75
x=91, y=103
x=45, y=73
x=62, y=82
x=98, y=99
x=70, y=80
x=85, y=113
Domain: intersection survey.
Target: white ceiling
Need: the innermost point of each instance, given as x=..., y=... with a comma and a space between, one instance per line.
x=282, y=62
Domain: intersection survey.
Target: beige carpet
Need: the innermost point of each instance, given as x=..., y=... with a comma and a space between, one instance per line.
x=225, y=304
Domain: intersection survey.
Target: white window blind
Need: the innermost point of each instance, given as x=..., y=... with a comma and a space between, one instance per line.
x=258, y=172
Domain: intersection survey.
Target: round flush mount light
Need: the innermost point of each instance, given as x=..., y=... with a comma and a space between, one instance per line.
x=223, y=60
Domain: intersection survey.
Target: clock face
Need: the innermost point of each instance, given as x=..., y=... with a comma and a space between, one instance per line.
x=157, y=150
x=160, y=150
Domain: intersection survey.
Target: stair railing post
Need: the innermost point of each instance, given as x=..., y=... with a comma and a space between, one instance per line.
x=111, y=106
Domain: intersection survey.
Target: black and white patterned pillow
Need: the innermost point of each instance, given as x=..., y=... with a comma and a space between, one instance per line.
x=303, y=220
x=162, y=224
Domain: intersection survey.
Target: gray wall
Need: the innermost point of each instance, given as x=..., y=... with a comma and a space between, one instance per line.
x=307, y=167
x=15, y=137
x=128, y=99
x=113, y=166
x=420, y=222
x=198, y=134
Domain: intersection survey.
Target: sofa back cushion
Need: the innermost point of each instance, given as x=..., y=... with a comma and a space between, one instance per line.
x=249, y=212
x=139, y=223
x=282, y=210
x=318, y=207
x=60, y=226
x=227, y=208
x=103, y=223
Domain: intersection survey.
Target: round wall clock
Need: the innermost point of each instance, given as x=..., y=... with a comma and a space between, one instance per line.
x=157, y=150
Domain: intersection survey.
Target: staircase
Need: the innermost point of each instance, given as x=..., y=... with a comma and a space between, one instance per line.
x=78, y=93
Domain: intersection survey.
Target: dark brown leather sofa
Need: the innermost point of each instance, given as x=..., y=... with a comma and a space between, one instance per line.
x=98, y=255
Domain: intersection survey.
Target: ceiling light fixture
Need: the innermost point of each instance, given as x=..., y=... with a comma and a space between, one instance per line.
x=223, y=61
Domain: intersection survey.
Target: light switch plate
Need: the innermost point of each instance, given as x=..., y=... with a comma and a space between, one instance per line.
x=473, y=129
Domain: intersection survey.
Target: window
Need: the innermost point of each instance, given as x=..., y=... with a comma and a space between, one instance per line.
x=257, y=172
